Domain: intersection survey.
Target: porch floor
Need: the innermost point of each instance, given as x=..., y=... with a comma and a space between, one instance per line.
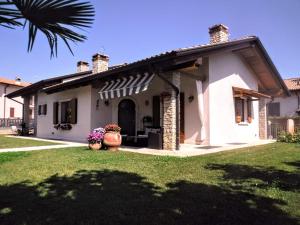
x=187, y=150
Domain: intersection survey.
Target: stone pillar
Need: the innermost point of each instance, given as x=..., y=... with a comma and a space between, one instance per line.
x=290, y=126
x=169, y=112
x=262, y=119
x=26, y=111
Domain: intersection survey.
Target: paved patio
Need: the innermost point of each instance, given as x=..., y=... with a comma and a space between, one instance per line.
x=186, y=150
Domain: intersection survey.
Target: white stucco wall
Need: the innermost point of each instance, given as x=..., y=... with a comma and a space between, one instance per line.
x=80, y=130
x=225, y=71
x=10, y=103
x=288, y=105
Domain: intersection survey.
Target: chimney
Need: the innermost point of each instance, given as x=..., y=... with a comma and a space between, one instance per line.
x=218, y=34
x=18, y=80
x=100, y=63
x=82, y=66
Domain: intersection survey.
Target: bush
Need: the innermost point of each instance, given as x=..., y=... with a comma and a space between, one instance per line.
x=287, y=137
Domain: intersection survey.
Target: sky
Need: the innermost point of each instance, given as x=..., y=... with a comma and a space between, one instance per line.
x=129, y=30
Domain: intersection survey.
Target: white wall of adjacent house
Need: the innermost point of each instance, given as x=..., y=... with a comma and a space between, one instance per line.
x=80, y=130
x=12, y=108
x=226, y=70
x=288, y=105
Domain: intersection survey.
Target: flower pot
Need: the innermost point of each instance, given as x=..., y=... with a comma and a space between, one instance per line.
x=238, y=119
x=249, y=119
x=96, y=146
x=112, y=140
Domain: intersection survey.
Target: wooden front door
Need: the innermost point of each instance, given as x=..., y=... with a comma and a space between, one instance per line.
x=182, y=135
x=126, y=117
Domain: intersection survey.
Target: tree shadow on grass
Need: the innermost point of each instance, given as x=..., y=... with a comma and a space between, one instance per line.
x=243, y=176
x=115, y=197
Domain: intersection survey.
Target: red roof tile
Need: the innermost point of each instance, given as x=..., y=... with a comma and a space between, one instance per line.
x=293, y=84
x=13, y=82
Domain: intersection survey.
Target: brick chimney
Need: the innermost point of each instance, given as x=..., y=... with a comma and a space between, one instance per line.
x=218, y=33
x=100, y=63
x=82, y=66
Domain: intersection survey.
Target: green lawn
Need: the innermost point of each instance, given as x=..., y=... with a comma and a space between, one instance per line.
x=258, y=185
x=11, y=142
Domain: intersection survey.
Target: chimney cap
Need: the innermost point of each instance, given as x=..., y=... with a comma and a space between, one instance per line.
x=101, y=56
x=82, y=63
x=218, y=27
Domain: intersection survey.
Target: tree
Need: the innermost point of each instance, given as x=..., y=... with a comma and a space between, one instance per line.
x=54, y=18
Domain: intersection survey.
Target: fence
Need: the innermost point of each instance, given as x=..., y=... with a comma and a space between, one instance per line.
x=10, y=122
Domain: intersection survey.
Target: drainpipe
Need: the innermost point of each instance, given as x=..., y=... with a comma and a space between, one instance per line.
x=176, y=89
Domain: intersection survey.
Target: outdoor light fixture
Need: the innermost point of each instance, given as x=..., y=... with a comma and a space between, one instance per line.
x=191, y=98
x=106, y=102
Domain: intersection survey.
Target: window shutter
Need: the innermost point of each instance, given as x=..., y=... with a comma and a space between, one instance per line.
x=73, y=106
x=40, y=110
x=45, y=109
x=156, y=111
x=55, y=113
x=274, y=109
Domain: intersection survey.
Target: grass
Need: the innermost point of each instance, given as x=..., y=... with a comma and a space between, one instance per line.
x=259, y=185
x=11, y=142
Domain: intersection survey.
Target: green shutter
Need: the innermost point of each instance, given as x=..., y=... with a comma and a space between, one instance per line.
x=55, y=113
x=73, y=106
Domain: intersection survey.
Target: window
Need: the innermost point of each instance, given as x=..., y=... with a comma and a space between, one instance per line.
x=239, y=110
x=243, y=109
x=12, y=112
x=42, y=109
x=68, y=113
x=274, y=109
x=65, y=114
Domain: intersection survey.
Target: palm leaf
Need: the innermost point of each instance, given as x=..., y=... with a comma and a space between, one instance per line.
x=8, y=15
x=55, y=18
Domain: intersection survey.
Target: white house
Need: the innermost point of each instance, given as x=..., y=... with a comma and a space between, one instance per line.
x=11, y=110
x=208, y=94
x=284, y=111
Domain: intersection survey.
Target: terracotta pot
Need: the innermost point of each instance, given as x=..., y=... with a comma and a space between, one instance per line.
x=96, y=146
x=238, y=119
x=249, y=119
x=113, y=140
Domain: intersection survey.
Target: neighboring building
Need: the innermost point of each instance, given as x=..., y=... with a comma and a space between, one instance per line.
x=284, y=111
x=209, y=94
x=287, y=106
x=10, y=110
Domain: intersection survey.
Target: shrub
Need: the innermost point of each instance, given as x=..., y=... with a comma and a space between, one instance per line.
x=287, y=137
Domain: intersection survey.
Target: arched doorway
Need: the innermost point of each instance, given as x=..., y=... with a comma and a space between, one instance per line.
x=126, y=117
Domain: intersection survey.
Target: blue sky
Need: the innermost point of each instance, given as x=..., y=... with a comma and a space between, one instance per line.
x=130, y=30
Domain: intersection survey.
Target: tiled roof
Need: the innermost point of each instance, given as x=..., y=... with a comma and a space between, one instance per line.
x=13, y=82
x=293, y=84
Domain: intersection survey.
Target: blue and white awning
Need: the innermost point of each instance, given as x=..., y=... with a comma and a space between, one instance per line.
x=126, y=86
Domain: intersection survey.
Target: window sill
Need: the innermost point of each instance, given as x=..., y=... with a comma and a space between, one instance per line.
x=243, y=124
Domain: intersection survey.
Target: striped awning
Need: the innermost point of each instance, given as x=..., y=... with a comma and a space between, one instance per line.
x=125, y=86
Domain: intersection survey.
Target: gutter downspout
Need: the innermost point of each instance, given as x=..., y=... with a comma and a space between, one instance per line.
x=176, y=89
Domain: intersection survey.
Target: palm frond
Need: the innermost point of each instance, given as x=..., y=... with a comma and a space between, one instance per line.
x=55, y=19
x=8, y=15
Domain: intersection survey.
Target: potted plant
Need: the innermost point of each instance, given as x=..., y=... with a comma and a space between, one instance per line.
x=95, y=140
x=238, y=118
x=249, y=119
x=112, y=137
